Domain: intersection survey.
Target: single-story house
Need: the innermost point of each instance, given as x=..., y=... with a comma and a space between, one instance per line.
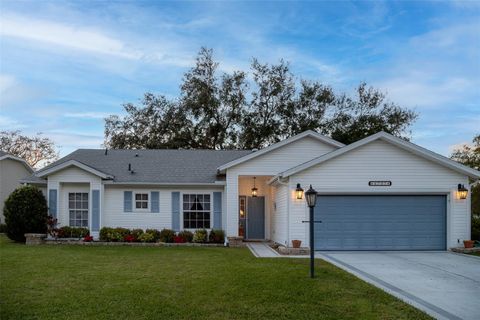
x=379, y=193
x=12, y=169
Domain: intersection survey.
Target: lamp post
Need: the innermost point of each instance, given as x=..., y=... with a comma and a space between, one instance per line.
x=311, y=198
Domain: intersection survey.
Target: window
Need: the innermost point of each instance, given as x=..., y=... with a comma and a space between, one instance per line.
x=196, y=211
x=141, y=200
x=78, y=209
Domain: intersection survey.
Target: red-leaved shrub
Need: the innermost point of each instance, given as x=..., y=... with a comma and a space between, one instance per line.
x=88, y=239
x=178, y=239
x=129, y=238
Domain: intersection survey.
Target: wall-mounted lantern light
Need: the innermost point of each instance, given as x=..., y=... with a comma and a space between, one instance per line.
x=299, y=192
x=254, y=189
x=462, y=192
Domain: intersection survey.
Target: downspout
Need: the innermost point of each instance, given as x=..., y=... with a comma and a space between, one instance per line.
x=279, y=180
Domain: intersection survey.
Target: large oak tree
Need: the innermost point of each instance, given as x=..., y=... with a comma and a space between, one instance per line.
x=240, y=109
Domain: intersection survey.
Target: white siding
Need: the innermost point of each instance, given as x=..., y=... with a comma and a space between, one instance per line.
x=279, y=216
x=11, y=171
x=114, y=216
x=379, y=160
x=269, y=164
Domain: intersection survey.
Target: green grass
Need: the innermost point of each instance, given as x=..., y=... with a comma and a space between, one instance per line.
x=78, y=282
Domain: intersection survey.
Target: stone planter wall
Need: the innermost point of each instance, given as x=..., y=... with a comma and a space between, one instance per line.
x=465, y=250
x=235, y=242
x=34, y=238
x=290, y=251
x=70, y=241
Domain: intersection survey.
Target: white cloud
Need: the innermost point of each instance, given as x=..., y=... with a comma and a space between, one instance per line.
x=7, y=123
x=71, y=36
x=87, y=115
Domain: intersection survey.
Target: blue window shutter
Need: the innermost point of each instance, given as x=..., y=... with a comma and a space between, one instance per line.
x=95, y=210
x=127, y=201
x=52, y=202
x=176, y=211
x=155, y=202
x=217, y=210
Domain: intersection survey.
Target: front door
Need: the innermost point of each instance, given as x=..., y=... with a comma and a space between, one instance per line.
x=255, y=218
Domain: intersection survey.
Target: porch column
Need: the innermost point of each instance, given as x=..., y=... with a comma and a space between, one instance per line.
x=232, y=205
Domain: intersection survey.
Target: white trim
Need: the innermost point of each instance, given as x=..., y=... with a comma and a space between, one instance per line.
x=76, y=164
x=422, y=152
x=210, y=184
x=308, y=133
x=12, y=157
x=212, y=211
x=134, y=201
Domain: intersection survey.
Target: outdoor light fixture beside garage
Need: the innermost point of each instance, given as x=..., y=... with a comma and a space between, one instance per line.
x=299, y=192
x=254, y=189
x=462, y=192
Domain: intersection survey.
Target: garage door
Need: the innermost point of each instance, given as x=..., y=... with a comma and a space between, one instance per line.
x=380, y=223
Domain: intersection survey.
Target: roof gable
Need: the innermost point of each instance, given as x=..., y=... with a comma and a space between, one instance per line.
x=305, y=134
x=73, y=163
x=400, y=143
x=4, y=155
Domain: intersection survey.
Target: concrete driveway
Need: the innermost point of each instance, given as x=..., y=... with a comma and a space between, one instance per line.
x=443, y=284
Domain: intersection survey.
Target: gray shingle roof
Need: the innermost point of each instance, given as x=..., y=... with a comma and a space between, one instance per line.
x=155, y=166
x=2, y=153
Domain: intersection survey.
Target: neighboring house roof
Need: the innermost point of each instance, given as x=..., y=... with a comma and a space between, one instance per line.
x=308, y=133
x=6, y=155
x=160, y=166
x=408, y=146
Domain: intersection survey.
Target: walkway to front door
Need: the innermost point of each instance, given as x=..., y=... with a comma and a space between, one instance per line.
x=262, y=250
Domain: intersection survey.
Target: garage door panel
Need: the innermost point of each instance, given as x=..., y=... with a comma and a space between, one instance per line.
x=381, y=223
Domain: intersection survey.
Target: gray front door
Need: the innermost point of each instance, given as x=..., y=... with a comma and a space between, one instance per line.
x=383, y=222
x=255, y=218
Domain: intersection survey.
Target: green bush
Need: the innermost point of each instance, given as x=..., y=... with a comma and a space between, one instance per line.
x=475, y=227
x=3, y=228
x=105, y=233
x=187, y=236
x=122, y=231
x=72, y=232
x=25, y=211
x=136, y=233
x=155, y=233
x=146, y=237
x=200, y=236
x=110, y=234
x=216, y=236
x=167, y=235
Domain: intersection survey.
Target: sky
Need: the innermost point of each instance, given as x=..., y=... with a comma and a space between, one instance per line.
x=65, y=66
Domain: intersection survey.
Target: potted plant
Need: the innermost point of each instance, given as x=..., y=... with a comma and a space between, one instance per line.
x=296, y=243
x=468, y=243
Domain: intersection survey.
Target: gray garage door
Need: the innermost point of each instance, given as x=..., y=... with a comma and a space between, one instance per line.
x=380, y=223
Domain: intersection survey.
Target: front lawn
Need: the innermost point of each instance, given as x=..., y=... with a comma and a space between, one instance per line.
x=78, y=282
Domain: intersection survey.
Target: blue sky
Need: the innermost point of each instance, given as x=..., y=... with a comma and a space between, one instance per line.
x=64, y=66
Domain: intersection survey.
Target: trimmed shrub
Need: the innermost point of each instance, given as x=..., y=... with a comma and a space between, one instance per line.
x=110, y=234
x=167, y=235
x=88, y=239
x=72, y=232
x=105, y=233
x=146, y=237
x=136, y=233
x=25, y=211
x=216, y=236
x=155, y=233
x=200, y=236
x=129, y=238
x=122, y=231
x=186, y=236
x=178, y=239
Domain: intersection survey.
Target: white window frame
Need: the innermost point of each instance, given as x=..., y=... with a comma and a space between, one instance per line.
x=134, y=204
x=78, y=209
x=195, y=192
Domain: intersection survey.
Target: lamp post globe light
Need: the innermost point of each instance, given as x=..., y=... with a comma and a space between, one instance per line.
x=311, y=198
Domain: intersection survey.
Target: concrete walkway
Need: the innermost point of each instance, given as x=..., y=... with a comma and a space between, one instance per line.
x=262, y=250
x=443, y=284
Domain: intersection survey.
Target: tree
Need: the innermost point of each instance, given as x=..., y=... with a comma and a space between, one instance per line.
x=225, y=110
x=25, y=211
x=159, y=123
x=36, y=150
x=469, y=155
x=366, y=114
